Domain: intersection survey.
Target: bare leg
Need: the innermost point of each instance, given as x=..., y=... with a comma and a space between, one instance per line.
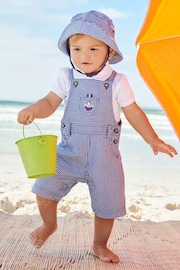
x=47, y=209
x=102, y=231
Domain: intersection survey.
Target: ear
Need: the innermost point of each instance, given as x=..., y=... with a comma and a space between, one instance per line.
x=111, y=53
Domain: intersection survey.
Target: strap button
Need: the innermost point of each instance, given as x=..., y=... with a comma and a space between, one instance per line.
x=116, y=130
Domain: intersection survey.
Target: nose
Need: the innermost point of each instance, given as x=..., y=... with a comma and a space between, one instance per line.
x=84, y=56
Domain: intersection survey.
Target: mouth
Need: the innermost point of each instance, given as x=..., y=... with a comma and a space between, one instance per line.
x=85, y=63
x=86, y=67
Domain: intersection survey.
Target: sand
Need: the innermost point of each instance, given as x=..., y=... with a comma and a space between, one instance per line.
x=152, y=193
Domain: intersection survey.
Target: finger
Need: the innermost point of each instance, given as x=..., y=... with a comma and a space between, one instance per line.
x=155, y=150
x=29, y=121
x=170, y=153
x=171, y=150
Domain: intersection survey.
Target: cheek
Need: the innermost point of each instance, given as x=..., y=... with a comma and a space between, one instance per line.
x=74, y=57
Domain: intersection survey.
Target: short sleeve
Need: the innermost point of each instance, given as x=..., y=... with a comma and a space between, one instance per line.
x=61, y=85
x=123, y=93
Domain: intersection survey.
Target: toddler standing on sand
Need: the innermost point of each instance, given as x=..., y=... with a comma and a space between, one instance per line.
x=90, y=127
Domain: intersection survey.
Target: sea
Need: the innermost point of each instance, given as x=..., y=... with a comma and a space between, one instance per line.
x=134, y=151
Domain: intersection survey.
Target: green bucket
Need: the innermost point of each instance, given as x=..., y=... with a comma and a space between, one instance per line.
x=38, y=154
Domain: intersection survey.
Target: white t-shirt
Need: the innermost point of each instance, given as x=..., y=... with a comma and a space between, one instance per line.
x=122, y=94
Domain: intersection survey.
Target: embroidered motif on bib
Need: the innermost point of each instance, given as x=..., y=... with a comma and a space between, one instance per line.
x=88, y=106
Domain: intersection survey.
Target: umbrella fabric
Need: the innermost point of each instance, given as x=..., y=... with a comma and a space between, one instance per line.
x=158, y=57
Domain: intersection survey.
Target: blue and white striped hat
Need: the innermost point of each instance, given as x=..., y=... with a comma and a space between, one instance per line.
x=94, y=24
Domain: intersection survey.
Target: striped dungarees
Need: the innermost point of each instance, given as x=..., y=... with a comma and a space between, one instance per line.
x=89, y=150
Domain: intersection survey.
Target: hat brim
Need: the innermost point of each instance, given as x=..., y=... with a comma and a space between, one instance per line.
x=90, y=29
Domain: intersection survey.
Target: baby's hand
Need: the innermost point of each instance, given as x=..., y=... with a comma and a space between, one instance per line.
x=160, y=146
x=26, y=116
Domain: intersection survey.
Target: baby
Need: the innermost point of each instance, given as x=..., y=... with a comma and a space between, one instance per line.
x=90, y=127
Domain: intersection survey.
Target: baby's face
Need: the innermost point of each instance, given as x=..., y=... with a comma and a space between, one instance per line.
x=88, y=54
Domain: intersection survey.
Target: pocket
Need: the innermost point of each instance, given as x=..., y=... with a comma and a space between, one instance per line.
x=68, y=147
x=65, y=147
x=89, y=105
x=65, y=133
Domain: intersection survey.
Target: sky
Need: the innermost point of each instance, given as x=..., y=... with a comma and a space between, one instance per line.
x=30, y=58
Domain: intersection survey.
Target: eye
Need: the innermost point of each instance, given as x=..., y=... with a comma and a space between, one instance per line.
x=75, y=49
x=93, y=49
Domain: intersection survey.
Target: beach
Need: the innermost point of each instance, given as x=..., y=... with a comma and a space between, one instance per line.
x=152, y=182
x=151, y=193
x=147, y=237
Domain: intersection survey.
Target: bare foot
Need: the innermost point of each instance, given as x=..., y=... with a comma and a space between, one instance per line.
x=105, y=254
x=41, y=234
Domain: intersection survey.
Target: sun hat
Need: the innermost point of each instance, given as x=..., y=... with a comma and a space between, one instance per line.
x=94, y=24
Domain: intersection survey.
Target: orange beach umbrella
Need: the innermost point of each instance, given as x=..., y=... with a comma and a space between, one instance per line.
x=158, y=57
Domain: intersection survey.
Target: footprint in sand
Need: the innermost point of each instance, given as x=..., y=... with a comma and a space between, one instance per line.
x=172, y=206
x=133, y=208
x=6, y=205
x=134, y=212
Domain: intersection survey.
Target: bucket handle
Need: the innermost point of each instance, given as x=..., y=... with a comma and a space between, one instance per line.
x=42, y=140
